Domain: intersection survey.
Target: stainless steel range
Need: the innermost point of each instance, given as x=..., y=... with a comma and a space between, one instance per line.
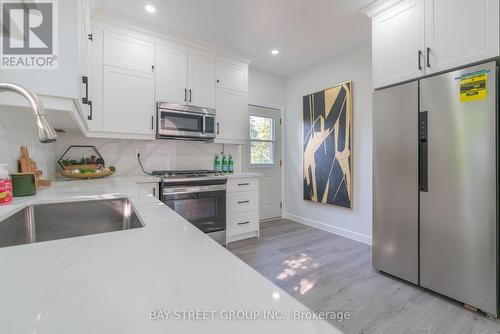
x=199, y=196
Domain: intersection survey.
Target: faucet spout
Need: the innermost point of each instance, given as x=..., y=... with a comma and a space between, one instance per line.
x=46, y=133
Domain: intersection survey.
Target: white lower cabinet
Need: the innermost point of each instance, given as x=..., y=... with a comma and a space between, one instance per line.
x=242, y=226
x=242, y=205
x=128, y=101
x=150, y=187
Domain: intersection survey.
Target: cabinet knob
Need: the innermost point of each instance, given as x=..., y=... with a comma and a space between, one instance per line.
x=218, y=80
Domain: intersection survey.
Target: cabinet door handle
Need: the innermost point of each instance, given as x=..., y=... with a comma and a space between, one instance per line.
x=420, y=59
x=152, y=122
x=185, y=95
x=89, y=103
x=244, y=223
x=244, y=184
x=217, y=127
x=190, y=95
x=243, y=202
x=91, y=37
x=428, y=57
x=85, y=81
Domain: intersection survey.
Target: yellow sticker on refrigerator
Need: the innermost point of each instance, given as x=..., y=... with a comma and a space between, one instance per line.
x=473, y=87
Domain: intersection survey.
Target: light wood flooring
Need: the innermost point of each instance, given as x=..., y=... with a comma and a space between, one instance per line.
x=327, y=272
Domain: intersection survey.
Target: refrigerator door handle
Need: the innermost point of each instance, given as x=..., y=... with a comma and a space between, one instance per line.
x=422, y=151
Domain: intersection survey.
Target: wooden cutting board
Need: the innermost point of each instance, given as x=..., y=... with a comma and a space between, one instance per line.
x=27, y=165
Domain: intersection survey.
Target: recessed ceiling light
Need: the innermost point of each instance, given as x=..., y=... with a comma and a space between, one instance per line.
x=150, y=8
x=275, y=52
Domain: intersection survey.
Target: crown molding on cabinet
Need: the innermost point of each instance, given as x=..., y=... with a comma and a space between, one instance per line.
x=113, y=23
x=378, y=6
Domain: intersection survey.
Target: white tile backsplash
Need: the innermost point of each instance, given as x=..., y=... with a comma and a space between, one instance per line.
x=17, y=128
x=155, y=155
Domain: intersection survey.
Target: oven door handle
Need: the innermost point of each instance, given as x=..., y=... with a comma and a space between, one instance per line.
x=192, y=190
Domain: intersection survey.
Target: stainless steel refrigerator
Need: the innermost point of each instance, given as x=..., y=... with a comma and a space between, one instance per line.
x=435, y=216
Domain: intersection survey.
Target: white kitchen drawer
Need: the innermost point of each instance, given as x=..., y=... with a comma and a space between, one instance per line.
x=242, y=185
x=242, y=202
x=242, y=223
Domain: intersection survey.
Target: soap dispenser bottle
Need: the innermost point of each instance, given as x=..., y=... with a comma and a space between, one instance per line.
x=217, y=164
x=224, y=163
x=230, y=165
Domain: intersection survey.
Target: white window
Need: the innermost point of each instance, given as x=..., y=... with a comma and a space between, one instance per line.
x=262, y=141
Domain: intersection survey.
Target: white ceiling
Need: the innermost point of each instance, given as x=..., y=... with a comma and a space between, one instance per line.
x=305, y=31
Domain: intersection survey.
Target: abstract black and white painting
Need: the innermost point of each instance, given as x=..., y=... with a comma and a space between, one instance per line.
x=327, y=146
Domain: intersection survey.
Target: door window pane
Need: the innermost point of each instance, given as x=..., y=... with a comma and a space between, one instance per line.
x=261, y=140
x=262, y=153
x=261, y=128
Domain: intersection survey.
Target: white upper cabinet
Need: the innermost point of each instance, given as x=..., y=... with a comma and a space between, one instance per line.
x=171, y=75
x=128, y=53
x=398, y=43
x=232, y=117
x=232, y=103
x=92, y=110
x=201, y=81
x=128, y=98
x=125, y=72
x=128, y=101
x=231, y=76
x=421, y=37
x=460, y=32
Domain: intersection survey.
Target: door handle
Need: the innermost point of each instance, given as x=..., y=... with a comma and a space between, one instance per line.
x=185, y=95
x=190, y=95
x=217, y=127
x=243, y=202
x=428, y=57
x=244, y=223
x=420, y=54
x=85, y=81
x=243, y=184
x=89, y=103
x=423, y=151
x=152, y=122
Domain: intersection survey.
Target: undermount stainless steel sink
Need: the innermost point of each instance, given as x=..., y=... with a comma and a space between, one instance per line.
x=67, y=220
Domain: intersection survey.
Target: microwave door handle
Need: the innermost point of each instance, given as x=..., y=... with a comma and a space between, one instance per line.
x=204, y=124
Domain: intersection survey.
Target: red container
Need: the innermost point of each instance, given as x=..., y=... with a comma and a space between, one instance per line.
x=5, y=191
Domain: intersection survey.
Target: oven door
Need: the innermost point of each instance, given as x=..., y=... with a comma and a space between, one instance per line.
x=176, y=123
x=202, y=206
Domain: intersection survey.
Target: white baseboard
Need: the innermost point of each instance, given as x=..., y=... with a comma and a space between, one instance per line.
x=367, y=239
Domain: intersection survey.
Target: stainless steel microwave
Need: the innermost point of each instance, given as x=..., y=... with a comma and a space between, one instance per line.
x=177, y=121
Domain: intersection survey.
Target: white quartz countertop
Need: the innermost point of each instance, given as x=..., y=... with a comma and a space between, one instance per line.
x=109, y=283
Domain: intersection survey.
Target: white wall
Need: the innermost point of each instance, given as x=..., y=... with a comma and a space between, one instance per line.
x=266, y=87
x=355, y=223
x=17, y=128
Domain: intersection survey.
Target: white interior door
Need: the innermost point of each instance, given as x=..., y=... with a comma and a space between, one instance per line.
x=263, y=155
